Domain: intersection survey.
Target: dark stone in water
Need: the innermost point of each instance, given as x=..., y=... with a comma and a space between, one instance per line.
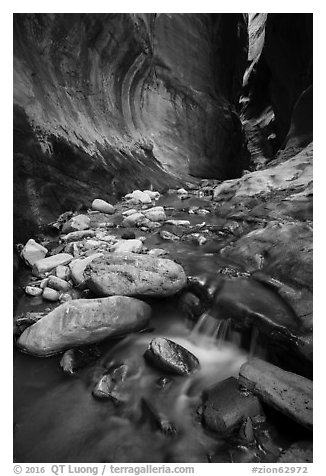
x=171, y=357
x=128, y=235
x=109, y=385
x=226, y=406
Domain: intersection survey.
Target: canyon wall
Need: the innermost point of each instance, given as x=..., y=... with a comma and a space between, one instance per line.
x=106, y=103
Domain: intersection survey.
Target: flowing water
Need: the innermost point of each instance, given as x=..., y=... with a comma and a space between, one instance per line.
x=58, y=420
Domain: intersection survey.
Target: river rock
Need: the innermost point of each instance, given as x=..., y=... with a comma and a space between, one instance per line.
x=33, y=291
x=127, y=246
x=50, y=294
x=131, y=211
x=157, y=252
x=132, y=220
x=33, y=252
x=131, y=274
x=77, y=268
x=77, y=223
x=84, y=321
x=226, y=406
x=58, y=284
x=289, y=393
x=102, y=206
x=109, y=385
x=48, y=264
x=138, y=197
x=166, y=235
x=153, y=195
x=78, y=235
x=63, y=272
x=171, y=357
x=178, y=222
x=156, y=214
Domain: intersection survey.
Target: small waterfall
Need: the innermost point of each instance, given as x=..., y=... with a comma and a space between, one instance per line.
x=209, y=330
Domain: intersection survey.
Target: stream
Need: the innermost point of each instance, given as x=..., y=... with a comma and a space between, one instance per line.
x=58, y=420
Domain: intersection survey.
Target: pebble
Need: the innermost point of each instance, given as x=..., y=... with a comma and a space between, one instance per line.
x=166, y=235
x=103, y=206
x=63, y=272
x=178, y=222
x=33, y=291
x=50, y=294
x=58, y=284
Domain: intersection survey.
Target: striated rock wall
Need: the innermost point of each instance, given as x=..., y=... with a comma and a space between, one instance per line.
x=104, y=103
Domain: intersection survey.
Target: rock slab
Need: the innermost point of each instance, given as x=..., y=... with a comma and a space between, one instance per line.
x=131, y=274
x=289, y=393
x=84, y=321
x=171, y=357
x=48, y=264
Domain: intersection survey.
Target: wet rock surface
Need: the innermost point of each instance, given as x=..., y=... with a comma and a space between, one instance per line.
x=171, y=357
x=134, y=275
x=289, y=393
x=226, y=406
x=84, y=321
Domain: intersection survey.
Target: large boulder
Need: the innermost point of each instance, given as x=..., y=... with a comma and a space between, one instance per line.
x=84, y=321
x=289, y=393
x=131, y=274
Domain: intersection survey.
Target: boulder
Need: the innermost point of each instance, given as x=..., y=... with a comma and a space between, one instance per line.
x=131, y=274
x=77, y=223
x=77, y=268
x=48, y=264
x=33, y=252
x=226, y=406
x=171, y=357
x=58, y=284
x=127, y=246
x=132, y=220
x=102, y=206
x=155, y=214
x=84, y=321
x=289, y=393
x=138, y=197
